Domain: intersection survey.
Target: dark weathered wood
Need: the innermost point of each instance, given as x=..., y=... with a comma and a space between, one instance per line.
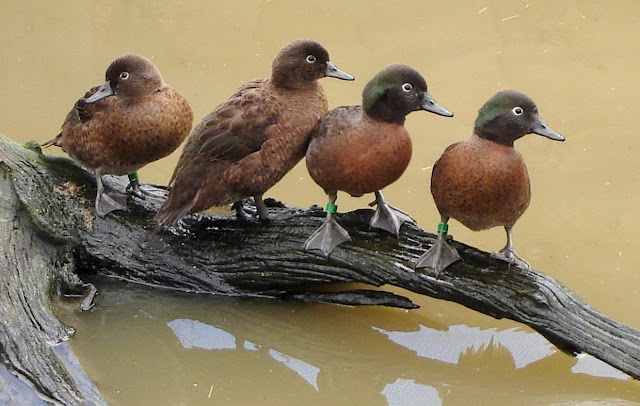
x=46, y=210
x=32, y=268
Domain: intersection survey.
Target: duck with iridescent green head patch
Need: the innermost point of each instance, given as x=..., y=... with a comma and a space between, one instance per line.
x=483, y=181
x=362, y=149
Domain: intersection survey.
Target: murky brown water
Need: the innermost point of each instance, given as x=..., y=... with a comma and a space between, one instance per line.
x=577, y=59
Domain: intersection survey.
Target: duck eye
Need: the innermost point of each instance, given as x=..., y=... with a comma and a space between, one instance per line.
x=407, y=87
x=311, y=58
x=124, y=75
x=517, y=111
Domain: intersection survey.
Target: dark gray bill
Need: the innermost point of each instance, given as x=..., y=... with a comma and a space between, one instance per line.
x=429, y=104
x=334, y=72
x=541, y=128
x=103, y=91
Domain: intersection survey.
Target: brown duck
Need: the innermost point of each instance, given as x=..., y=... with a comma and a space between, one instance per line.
x=362, y=149
x=117, y=128
x=483, y=181
x=249, y=142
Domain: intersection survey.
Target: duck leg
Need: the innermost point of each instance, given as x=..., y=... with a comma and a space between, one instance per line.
x=330, y=234
x=387, y=217
x=245, y=213
x=509, y=255
x=144, y=191
x=441, y=254
x=262, y=212
x=108, y=202
x=261, y=208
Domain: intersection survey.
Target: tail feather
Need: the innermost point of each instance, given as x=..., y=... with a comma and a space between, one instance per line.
x=54, y=141
x=171, y=211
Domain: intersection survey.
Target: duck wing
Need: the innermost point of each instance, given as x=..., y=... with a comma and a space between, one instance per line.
x=80, y=113
x=236, y=129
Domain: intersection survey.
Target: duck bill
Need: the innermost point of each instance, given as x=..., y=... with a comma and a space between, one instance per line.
x=103, y=91
x=334, y=72
x=541, y=128
x=430, y=105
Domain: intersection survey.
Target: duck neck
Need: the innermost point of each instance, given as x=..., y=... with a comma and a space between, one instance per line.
x=501, y=132
x=382, y=112
x=490, y=136
x=284, y=81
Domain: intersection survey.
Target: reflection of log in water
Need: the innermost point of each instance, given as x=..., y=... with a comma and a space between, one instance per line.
x=341, y=354
x=47, y=218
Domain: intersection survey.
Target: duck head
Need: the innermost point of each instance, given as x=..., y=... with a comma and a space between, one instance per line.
x=510, y=115
x=395, y=92
x=129, y=77
x=301, y=63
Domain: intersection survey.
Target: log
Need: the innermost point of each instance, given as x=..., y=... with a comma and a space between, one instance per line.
x=51, y=235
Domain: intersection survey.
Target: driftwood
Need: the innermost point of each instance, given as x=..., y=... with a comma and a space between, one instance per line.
x=50, y=234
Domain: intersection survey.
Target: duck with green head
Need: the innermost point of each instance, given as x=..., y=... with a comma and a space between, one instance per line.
x=132, y=119
x=483, y=181
x=250, y=141
x=362, y=149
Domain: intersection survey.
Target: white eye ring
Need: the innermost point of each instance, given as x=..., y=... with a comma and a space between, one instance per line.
x=124, y=75
x=517, y=111
x=311, y=58
x=407, y=87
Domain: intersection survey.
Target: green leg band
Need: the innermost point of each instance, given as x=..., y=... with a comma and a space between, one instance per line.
x=134, y=176
x=332, y=208
x=443, y=228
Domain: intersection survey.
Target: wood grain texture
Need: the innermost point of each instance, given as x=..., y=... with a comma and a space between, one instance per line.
x=47, y=211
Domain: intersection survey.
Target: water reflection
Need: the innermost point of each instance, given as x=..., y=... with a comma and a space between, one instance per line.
x=447, y=346
x=307, y=371
x=407, y=392
x=590, y=365
x=211, y=349
x=524, y=347
x=194, y=334
x=249, y=346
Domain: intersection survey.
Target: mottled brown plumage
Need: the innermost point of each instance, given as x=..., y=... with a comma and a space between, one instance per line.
x=132, y=119
x=355, y=153
x=362, y=149
x=483, y=181
x=249, y=142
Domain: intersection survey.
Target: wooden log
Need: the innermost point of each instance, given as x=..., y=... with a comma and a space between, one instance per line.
x=33, y=267
x=47, y=220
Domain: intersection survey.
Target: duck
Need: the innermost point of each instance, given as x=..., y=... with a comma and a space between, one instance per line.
x=251, y=140
x=118, y=127
x=483, y=181
x=362, y=149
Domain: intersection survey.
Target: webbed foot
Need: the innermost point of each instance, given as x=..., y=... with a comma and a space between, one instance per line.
x=286, y=214
x=439, y=256
x=144, y=191
x=108, y=202
x=327, y=237
x=242, y=212
x=387, y=217
x=509, y=255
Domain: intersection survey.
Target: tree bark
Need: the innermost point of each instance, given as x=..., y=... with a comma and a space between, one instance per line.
x=50, y=234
